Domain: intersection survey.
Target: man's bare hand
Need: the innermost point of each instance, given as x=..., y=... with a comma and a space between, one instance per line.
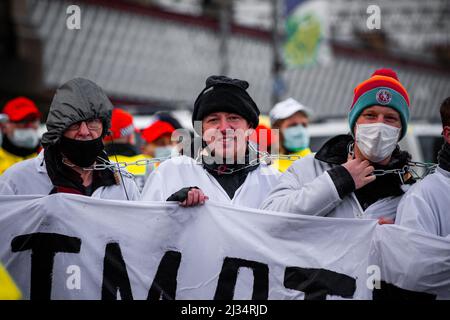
x=195, y=197
x=360, y=170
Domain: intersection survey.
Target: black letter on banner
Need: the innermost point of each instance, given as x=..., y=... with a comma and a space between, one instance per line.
x=115, y=276
x=165, y=283
x=317, y=283
x=228, y=277
x=43, y=248
x=389, y=291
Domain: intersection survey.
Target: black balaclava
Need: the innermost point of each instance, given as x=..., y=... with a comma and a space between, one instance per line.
x=82, y=153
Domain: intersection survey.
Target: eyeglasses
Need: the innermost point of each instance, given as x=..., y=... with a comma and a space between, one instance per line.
x=93, y=124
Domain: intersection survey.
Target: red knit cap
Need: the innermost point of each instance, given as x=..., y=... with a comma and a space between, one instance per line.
x=382, y=88
x=121, y=124
x=381, y=78
x=21, y=108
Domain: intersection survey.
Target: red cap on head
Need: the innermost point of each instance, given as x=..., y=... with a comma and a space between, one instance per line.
x=156, y=130
x=121, y=124
x=21, y=108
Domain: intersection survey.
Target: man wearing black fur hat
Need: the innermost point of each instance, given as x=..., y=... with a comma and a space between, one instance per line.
x=79, y=117
x=226, y=168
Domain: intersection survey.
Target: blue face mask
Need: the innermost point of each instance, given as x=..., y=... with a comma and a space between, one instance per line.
x=162, y=152
x=296, y=138
x=25, y=138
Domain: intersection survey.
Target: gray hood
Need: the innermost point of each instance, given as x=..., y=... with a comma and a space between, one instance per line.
x=77, y=100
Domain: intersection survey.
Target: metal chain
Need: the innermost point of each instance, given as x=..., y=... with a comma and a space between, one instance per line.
x=124, y=164
x=264, y=155
x=285, y=157
x=429, y=168
x=381, y=172
x=266, y=158
x=426, y=165
x=223, y=169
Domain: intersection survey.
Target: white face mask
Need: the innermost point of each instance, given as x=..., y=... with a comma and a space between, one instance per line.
x=25, y=138
x=376, y=141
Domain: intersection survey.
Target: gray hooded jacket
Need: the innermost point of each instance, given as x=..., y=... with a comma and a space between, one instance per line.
x=77, y=100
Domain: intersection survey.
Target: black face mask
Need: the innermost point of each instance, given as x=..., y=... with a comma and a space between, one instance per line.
x=82, y=153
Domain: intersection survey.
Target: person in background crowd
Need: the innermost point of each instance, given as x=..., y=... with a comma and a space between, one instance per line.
x=226, y=113
x=120, y=145
x=178, y=135
x=425, y=207
x=339, y=180
x=79, y=117
x=158, y=142
x=20, y=132
x=291, y=119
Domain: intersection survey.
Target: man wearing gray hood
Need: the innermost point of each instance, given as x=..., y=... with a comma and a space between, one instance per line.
x=79, y=117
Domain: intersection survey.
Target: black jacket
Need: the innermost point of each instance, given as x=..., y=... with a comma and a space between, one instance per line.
x=335, y=151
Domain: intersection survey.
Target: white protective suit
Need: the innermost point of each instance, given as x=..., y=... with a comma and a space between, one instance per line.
x=30, y=177
x=180, y=172
x=307, y=188
x=426, y=206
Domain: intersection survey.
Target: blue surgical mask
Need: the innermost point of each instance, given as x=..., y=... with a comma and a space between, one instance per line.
x=25, y=138
x=163, y=152
x=296, y=138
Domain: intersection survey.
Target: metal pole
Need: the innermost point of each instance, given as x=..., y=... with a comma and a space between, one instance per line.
x=277, y=61
x=224, y=24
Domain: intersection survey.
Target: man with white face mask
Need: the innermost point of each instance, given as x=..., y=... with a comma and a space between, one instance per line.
x=340, y=179
x=21, y=138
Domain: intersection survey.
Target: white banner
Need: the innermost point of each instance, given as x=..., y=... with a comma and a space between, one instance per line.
x=416, y=262
x=73, y=247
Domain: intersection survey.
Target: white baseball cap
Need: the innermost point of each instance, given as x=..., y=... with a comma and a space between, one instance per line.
x=286, y=108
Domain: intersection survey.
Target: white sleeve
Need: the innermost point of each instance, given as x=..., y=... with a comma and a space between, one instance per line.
x=415, y=213
x=154, y=187
x=133, y=190
x=7, y=186
x=316, y=198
